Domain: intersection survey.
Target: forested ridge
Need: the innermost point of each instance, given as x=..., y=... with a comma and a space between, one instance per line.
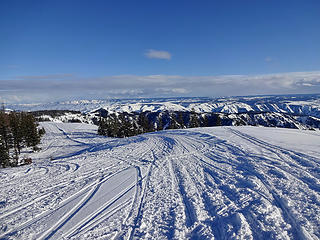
x=18, y=130
x=127, y=125
x=123, y=124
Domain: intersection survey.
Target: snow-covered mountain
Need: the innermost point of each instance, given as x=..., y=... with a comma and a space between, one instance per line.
x=200, y=183
x=293, y=104
x=300, y=111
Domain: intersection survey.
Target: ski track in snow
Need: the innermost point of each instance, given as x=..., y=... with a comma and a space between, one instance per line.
x=209, y=183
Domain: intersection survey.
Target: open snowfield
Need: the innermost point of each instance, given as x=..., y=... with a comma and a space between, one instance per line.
x=210, y=183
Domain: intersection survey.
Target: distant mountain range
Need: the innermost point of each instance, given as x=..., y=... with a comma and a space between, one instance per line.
x=292, y=111
x=295, y=104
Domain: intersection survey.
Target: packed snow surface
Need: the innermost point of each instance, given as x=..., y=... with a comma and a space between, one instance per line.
x=210, y=183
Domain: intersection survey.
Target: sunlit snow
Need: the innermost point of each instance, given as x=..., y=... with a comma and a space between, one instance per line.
x=209, y=183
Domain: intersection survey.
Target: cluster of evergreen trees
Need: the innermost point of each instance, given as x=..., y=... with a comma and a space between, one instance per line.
x=17, y=130
x=123, y=125
x=131, y=124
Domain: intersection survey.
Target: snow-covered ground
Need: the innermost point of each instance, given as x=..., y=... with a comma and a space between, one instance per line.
x=209, y=183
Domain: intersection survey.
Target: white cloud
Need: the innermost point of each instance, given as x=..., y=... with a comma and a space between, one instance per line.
x=268, y=59
x=168, y=91
x=307, y=84
x=68, y=87
x=151, y=53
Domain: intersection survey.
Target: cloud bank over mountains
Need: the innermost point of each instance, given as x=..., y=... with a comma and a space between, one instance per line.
x=67, y=86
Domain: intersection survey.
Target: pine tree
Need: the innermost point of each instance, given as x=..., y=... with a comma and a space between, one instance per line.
x=205, y=121
x=160, y=123
x=102, y=127
x=31, y=134
x=126, y=126
x=218, y=121
x=17, y=130
x=173, y=122
x=4, y=130
x=15, y=126
x=143, y=121
x=4, y=156
x=194, y=121
x=180, y=120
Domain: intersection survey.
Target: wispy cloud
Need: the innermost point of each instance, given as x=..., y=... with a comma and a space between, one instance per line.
x=268, y=59
x=151, y=53
x=68, y=87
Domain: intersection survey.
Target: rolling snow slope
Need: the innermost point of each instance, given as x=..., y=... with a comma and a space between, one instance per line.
x=208, y=183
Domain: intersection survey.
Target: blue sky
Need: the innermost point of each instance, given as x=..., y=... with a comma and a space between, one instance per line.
x=155, y=48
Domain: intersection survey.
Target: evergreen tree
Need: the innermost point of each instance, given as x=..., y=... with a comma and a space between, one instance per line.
x=126, y=127
x=102, y=127
x=143, y=121
x=194, y=121
x=4, y=156
x=30, y=131
x=4, y=130
x=218, y=121
x=173, y=122
x=205, y=121
x=115, y=126
x=160, y=123
x=15, y=126
x=17, y=130
x=180, y=120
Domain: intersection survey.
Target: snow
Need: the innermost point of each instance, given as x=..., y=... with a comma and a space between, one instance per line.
x=204, y=183
x=297, y=104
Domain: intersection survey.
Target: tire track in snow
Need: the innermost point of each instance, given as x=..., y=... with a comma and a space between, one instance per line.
x=99, y=215
x=300, y=173
x=297, y=231
x=175, y=189
x=48, y=192
x=132, y=225
x=211, y=222
x=138, y=204
x=134, y=217
x=70, y=138
x=190, y=212
x=89, y=192
x=236, y=201
x=304, y=160
x=95, y=203
x=63, y=182
x=94, y=223
x=207, y=221
x=187, y=185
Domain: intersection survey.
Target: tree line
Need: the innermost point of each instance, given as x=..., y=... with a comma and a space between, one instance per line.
x=130, y=124
x=123, y=125
x=17, y=131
